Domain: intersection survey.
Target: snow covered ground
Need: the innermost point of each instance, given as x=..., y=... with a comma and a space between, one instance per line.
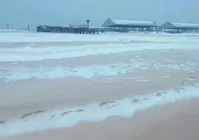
x=52, y=49
x=62, y=79
x=107, y=37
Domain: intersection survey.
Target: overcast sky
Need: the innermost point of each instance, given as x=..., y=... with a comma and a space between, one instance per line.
x=18, y=13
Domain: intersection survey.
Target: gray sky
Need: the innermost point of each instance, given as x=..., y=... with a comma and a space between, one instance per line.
x=62, y=12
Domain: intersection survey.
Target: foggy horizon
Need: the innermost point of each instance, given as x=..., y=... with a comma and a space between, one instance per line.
x=62, y=12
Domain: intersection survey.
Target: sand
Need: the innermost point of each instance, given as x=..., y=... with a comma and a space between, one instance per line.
x=35, y=87
x=179, y=121
x=51, y=94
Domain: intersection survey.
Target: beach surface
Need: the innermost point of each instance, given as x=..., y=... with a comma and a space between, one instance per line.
x=111, y=86
x=175, y=121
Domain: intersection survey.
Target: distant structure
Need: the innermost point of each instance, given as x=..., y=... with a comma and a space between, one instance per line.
x=79, y=29
x=28, y=27
x=88, y=23
x=173, y=27
x=122, y=25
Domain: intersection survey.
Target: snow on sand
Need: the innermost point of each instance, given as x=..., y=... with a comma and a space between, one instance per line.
x=124, y=57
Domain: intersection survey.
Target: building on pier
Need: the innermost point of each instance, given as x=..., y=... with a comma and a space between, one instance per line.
x=123, y=25
x=173, y=27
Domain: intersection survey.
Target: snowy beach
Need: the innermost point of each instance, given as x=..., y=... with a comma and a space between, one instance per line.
x=52, y=83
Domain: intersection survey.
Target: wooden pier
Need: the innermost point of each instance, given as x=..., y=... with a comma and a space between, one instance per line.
x=75, y=30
